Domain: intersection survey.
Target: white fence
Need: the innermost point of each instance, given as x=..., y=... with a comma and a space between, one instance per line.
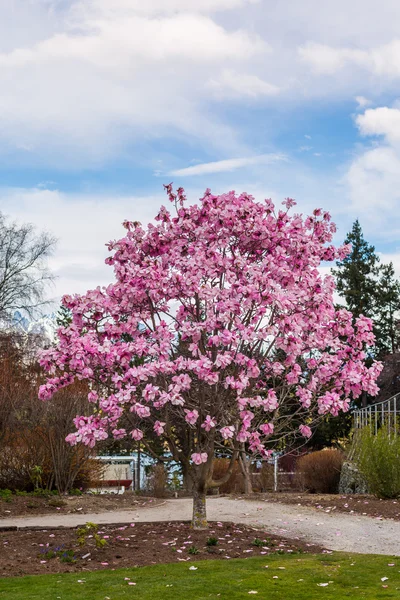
x=383, y=414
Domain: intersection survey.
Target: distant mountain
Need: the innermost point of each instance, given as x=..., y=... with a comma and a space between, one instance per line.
x=45, y=326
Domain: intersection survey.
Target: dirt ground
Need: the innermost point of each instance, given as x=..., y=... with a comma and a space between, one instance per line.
x=329, y=503
x=35, y=505
x=31, y=505
x=31, y=552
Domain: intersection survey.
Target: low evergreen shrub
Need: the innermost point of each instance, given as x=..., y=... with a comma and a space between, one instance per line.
x=378, y=459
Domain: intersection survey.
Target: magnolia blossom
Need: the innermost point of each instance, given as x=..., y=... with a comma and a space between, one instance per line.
x=137, y=434
x=159, y=427
x=199, y=458
x=191, y=416
x=209, y=423
x=227, y=432
x=305, y=431
x=267, y=428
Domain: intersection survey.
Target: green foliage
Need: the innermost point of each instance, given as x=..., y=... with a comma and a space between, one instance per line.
x=193, y=550
x=36, y=476
x=6, y=495
x=212, y=541
x=56, y=502
x=356, y=274
x=65, y=556
x=348, y=576
x=370, y=289
x=387, y=305
x=41, y=493
x=378, y=459
x=63, y=317
x=90, y=529
x=332, y=431
x=75, y=492
x=258, y=543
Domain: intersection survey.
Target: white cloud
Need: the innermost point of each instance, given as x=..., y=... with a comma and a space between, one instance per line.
x=327, y=60
x=121, y=43
x=382, y=61
x=114, y=76
x=107, y=8
x=230, y=164
x=231, y=84
x=381, y=121
x=373, y=182
x=373, y=176
x=362, y=102
x=83, y=225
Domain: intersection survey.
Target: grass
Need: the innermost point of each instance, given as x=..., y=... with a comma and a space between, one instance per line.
x=349, y=576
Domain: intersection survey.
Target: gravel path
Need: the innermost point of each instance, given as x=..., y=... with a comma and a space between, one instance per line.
x=348, y=533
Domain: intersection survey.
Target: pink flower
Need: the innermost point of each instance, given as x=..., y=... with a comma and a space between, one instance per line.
x=209, y=423
x=119, y=434
x=159, y=427
x=305, y=431
x=199, y=458
x=191, y=416
x=137, y=434
x=227, y=432
x=267, y=428
x=142, y=411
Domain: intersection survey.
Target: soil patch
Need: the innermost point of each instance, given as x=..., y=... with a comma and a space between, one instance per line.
x=357, y=504
x=17, y=506
x=32, y=552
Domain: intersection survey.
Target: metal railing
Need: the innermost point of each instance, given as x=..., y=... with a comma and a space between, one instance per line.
x=383, y=414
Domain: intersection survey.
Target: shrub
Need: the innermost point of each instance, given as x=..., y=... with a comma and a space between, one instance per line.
x=378, y=459
x=319, y=472
x=6, y=494
x=90, y=530
x=57, y=502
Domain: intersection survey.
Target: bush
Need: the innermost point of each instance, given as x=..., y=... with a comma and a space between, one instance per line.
x=378, y=459
x=319, y=472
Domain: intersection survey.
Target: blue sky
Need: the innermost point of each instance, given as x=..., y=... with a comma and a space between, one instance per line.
x=103, y=101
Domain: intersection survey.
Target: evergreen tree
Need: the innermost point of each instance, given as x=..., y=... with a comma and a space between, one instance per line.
x=370, y=289
x=387, y=305
x=356, y=275
x=63, y=316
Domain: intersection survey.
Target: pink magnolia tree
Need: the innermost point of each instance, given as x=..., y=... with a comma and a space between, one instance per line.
x=218, y=320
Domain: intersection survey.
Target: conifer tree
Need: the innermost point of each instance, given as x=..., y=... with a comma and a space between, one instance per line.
x=386, y=311
x=356, y=275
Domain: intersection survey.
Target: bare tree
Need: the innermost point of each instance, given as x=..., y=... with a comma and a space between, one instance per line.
x=24, y=275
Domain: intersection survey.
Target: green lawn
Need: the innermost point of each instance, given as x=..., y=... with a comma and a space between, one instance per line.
x=349, y=576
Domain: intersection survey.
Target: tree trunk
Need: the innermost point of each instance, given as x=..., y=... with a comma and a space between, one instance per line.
x=187, y=480
x=244, y=463
x=199, y=520
x=138, y=474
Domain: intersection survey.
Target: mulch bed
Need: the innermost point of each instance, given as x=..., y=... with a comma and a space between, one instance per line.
x=356, y=504
x=29, y=552
x=36, y=505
